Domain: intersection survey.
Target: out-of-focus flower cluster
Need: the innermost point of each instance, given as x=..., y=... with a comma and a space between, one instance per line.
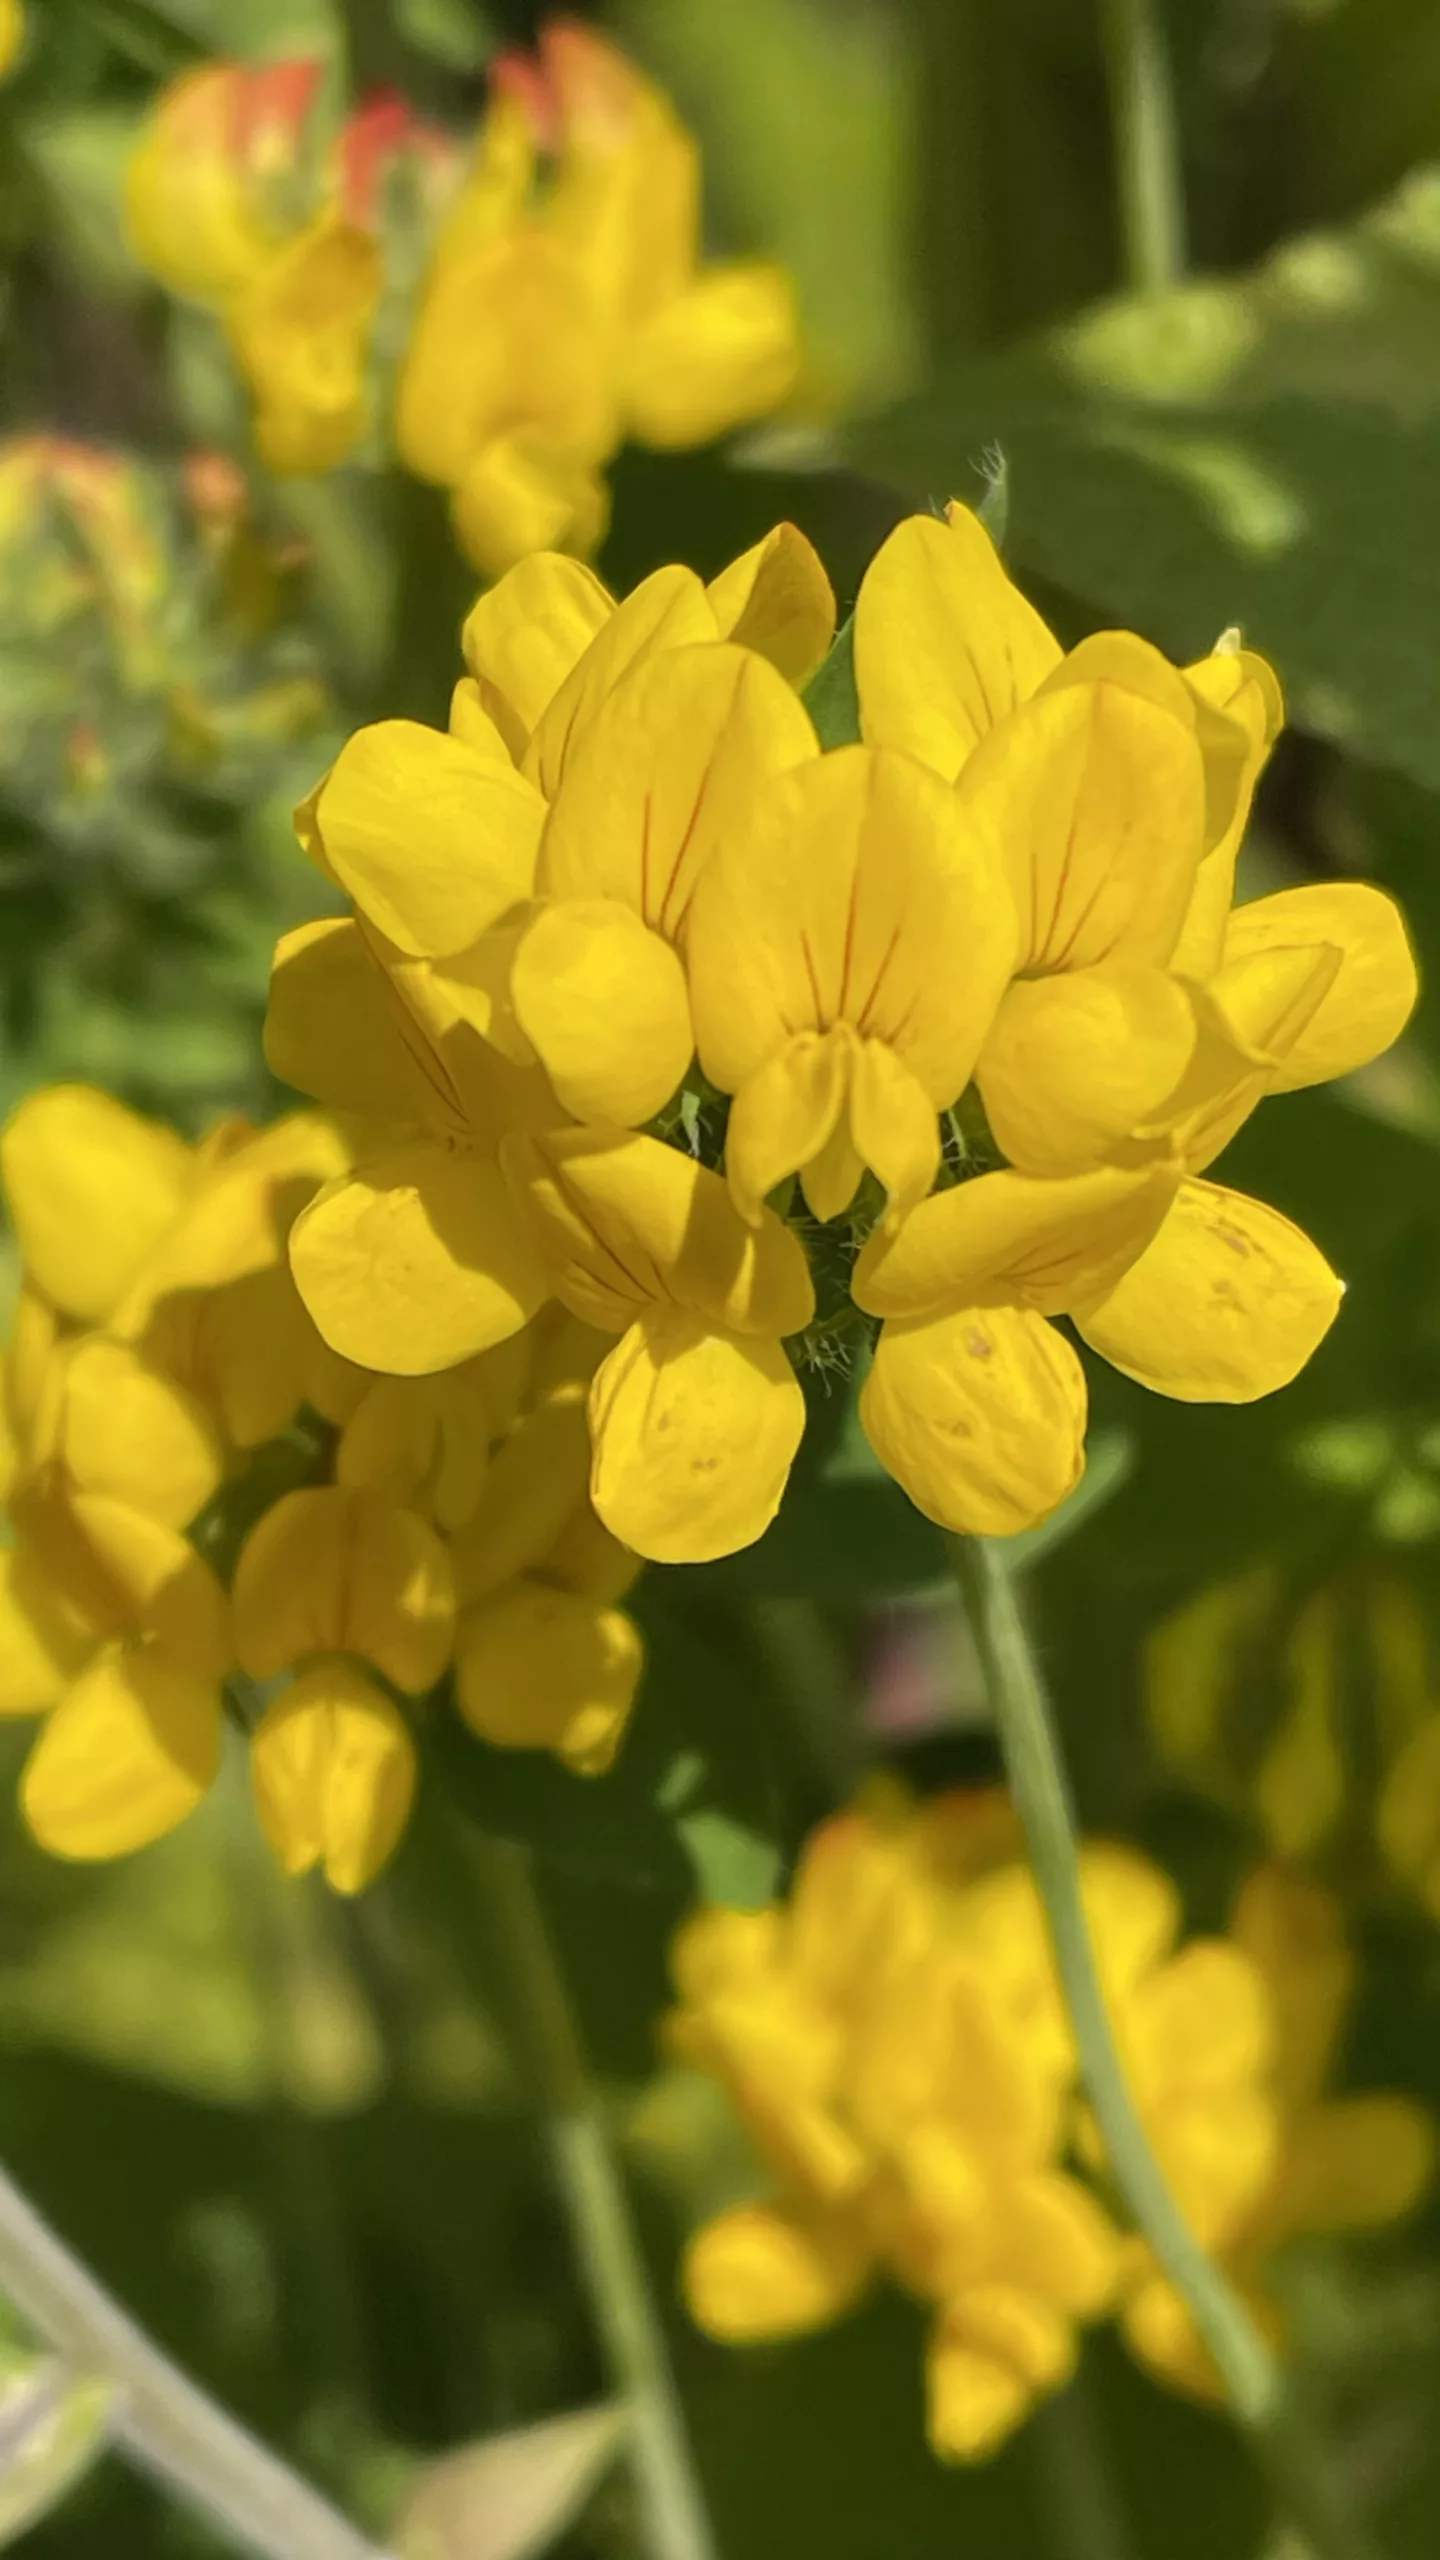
x=1312, y=1711
x=145, y=648
x=212, y=1516
x=504, y=321
x=760, y=1054
x=894, y=2038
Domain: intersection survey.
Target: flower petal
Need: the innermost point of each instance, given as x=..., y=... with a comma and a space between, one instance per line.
x=777, y=599
x=432, y=838
x=667, y=609
x=783, y=1116
x=330, y=1569
x=669, y=762
x=1075, y=1063
x=695, y=1432
x=1092, y=799
x=41, y=1647
x=1013, y=1237
x=1226, y=1304
x=544, y=1670
x=300, y=328
x=1373, y=992
x=525, y=636
x=629, y=1222
x=91, y=1189
x=724, y=351
x=853, y=894
x=945, y=643
x=130, y=1433
x=535, y=1482
x=603, y=1002
x=894, y=1126
x=980, y=1416
x=125, y=1756
x=416, y=1261
x=335, y=1027
x=333, y=1768
x=759, y=2272
x=524, y=493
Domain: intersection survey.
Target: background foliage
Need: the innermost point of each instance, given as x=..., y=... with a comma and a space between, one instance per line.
x=287, y=2132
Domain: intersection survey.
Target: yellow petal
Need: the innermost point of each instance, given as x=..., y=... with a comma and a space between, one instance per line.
x=711, y=358
x=1360, y=2163
x=505, y=337
x=125, y=1756
x=994, y=2351
x=1226, y=1304
x=831, y=1179
x=1374, y=989
x=1013, y=1237
x=757, y=2272
x=526, y=634
x=300, y=328
x=41, y=1648
x=945, y=644
x=335, y=1028
x=1093, y=798
x=543, y=1670
x=894, y=1127
x=432, y=839
x=133, y=1575
x=604, y=1003
x=416, y=1261
x=522, y=493
x=333, y=1768
x=1243, y=691
x=669, y=762
x=130, y=1433
x=667, y=610
x=782, y=1118
x=695, y=1432
x=91, y=1189
x=777, y=599
x=191, y=210
x=534, y=1483
x=980, y=1416
x=330, y=1569
x=854, y=894
x=627, y=1222
x=1074, y=1063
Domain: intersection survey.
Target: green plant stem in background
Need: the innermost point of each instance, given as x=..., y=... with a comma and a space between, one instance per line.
x=161, y=2420
x=673, y=2520
x=812, y=1680
x=1147, y=150
x=1300, y=2473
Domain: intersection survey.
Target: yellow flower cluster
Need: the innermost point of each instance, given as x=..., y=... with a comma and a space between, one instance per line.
x=1312, y=1713
x=562, y=304
x=748, y=1050
x=210, y=1511
x=895, y=2041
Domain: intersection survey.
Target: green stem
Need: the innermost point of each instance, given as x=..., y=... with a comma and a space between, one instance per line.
x=1152, y=204
x=674, y=2523
x=1301, y=2475
x=811, y=1678
x=164, y=2423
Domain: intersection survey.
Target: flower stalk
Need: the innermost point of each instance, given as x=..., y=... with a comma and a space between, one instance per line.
x=161, y=2420
x=1304, y=2481
x=672, y=2516
x=1152, y=207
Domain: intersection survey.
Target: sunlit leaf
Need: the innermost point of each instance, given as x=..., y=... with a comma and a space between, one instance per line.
x=509, y=2497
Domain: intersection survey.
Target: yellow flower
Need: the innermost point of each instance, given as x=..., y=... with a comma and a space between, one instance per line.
x=1229, y=2050
x=550, y=330
x=896, y=2045
x=335, y=1586
x=847, y=948
x=12, y=35
x=233, y=201
x=696, y=1415
x=543, y=1657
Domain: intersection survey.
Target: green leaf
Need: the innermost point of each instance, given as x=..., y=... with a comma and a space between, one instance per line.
x=1263, y=452
x=53, y=2425
x=830, y=697
x=456, y=33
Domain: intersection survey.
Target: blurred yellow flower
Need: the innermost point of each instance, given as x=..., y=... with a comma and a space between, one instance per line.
x=551, y=328
x=12, y=35
x=894, y=2038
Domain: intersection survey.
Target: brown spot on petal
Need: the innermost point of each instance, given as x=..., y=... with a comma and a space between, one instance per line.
x=979, y=1346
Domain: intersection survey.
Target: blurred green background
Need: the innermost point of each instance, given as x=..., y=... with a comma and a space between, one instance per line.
x=289, y=2132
